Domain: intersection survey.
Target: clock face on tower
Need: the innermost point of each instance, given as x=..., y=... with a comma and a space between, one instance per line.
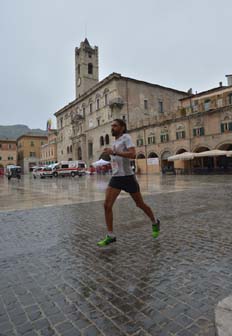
x=79, y=81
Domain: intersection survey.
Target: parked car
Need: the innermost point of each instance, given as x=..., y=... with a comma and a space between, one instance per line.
x=43, y=172
x=36, y=172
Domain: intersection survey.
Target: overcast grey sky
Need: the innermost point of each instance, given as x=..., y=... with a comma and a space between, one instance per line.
x=175, y=43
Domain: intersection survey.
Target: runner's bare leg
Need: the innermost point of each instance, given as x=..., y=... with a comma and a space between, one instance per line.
x=110, y=198
x=137, y=197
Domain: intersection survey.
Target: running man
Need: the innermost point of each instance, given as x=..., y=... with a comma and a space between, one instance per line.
x=123, y=179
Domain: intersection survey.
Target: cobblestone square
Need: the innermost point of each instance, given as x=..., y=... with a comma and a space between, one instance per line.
x=56, y=281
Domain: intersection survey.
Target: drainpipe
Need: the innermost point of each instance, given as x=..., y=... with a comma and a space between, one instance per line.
x=190, y=144
x=127, y=103
x=145, y=145
x=190, y=149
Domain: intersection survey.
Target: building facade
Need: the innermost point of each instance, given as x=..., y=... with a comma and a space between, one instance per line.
x=84, y=125
x=49, y=150
x=162, y=121
x=202, y=122
x=8, y=153
x=29, y=150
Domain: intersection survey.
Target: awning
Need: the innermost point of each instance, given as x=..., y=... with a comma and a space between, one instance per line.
x=229, y=153
x=182, y=156
x=100, y=163
x=214, y=152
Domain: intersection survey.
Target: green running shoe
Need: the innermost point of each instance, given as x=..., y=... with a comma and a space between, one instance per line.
x=156, y=229
x=106, y=241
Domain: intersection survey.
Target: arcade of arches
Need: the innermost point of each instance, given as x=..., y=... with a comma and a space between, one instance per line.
x=156, y=163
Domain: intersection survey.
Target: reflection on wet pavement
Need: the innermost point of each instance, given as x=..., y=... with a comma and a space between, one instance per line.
x=29, y=193
x=56, y=281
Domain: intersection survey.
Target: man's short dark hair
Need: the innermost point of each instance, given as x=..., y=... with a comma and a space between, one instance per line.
x=122, y=124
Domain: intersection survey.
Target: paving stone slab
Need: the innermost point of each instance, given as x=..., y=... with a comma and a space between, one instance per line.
x=223, y=317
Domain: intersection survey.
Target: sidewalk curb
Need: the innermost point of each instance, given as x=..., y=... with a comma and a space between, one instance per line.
x=223, y=317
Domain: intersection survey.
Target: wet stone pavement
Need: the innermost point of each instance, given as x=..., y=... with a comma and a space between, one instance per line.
x=54, y=280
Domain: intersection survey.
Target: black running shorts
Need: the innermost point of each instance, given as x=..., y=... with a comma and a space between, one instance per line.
x=126, y=183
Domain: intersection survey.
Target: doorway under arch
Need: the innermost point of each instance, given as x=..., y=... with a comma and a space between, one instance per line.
x=152, y=155
x=140, y=156
x=201, y=149
x=225, y=162
x=225, y=146
x=166, y=166
x=181, y=150
x=79, y=153
x=203, y=162
x=141, y=163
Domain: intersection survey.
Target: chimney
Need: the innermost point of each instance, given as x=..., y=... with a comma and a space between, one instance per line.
x=220, y=84
x=229, y=80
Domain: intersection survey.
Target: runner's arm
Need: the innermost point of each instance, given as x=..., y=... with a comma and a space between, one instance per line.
x=130, y=153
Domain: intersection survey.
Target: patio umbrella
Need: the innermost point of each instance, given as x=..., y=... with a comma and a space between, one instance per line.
x=214, y=152
x=100, y=163
x=229, y=153
x=182, y=156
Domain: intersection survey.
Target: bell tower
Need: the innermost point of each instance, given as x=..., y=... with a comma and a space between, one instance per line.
x=86, y=67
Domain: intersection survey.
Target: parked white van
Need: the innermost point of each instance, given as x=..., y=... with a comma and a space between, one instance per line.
x=69, y=168
x=42, y=172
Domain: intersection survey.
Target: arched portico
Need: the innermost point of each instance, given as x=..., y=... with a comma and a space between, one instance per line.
x=140, y=156
x=203, y=162
x=181, y=150
x=224, y=162
x=141, y=163
x=153, y=164
x=182, y=166
x=225, y=146
x=164, y=158
x=152, y=155
x=201, y=148
x=165, y=165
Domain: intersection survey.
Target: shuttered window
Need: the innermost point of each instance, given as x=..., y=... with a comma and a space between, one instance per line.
x=180, y=135
x=139, y=142
x=226, y=126
x=164, y=138
x=151, y=140
x=199, y=131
